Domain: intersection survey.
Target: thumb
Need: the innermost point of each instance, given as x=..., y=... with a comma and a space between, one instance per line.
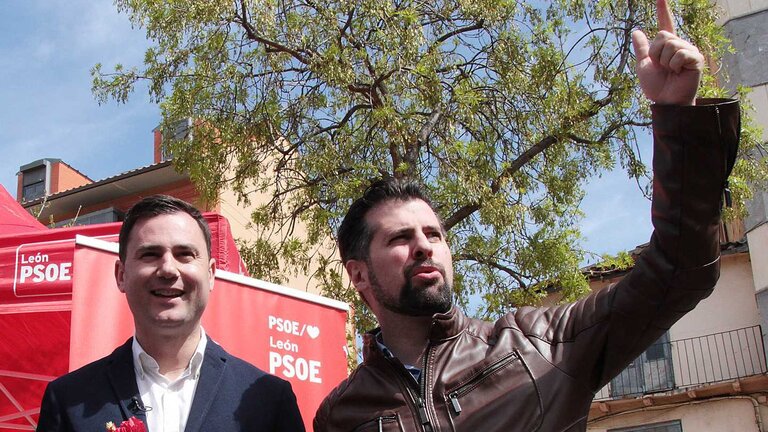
x=640, y=45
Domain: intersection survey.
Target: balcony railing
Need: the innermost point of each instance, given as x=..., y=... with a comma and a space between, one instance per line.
x=686, y=363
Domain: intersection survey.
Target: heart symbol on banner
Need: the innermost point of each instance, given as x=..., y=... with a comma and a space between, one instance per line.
x=313, y=331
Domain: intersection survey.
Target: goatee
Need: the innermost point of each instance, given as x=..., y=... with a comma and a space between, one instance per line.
x=424, y=300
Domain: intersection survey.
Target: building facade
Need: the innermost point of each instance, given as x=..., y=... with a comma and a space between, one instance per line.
x=707, y=373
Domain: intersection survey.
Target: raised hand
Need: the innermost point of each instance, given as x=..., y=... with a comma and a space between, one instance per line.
x=669, y=68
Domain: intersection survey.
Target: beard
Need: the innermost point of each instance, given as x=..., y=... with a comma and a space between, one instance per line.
x=415, y=301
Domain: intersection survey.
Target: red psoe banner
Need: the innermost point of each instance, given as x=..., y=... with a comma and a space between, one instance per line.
x=298, y=336
x=101, y=320
x=37, y=271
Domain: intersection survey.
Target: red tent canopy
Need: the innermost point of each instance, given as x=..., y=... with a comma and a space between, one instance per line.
x=14, y=218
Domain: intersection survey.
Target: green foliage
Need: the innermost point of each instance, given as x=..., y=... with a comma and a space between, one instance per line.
x=749, y=172
x=503, y=109
x=621, y=261
x=38, y=209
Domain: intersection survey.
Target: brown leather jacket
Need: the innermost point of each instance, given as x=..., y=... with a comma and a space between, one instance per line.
x=537, y=369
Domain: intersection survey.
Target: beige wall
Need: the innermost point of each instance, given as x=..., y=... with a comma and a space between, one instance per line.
x=716, y=415
x=759, y=100
x=736, y=8
x=758, y=248
x=239, y=217
x=732, y=305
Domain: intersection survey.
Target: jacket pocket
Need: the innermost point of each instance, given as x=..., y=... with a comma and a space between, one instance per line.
x=383, y=423
x=501, y=396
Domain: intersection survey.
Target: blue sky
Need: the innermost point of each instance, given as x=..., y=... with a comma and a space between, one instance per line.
x=47, y=110
x=46, y=107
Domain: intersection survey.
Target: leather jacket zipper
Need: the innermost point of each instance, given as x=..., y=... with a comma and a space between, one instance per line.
x=727, y=198
x=385, y=419
x=421, y=403
x=421, y=409
x=417, y=399
x=379, y=422
x=453, y=396
x=719, y=126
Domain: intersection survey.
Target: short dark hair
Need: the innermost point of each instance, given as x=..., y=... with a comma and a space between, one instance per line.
x=157, y=205
x=354, y=235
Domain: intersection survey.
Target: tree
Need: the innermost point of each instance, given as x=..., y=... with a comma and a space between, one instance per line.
x=503, y=109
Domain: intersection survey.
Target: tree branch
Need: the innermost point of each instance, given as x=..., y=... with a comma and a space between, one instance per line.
x=460, y=30
x=520, y=278
x=242, y=19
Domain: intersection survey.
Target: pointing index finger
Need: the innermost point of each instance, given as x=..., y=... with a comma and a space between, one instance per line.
x=664, y=16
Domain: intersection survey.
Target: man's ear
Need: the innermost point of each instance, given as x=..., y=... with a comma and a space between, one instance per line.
x=120, y=275
x=358, y=274
x=211, y=273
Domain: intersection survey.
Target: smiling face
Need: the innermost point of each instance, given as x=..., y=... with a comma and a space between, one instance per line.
x=408, y=270
x=167, y=275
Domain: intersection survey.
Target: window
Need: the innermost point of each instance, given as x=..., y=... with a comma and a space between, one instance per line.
x=179, y=131
x=658, y=351
x=33, y=183
x=651, y=372
x=672, y=426
x=100, y=216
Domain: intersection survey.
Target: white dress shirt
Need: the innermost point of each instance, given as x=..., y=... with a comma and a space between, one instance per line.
x=167, y=402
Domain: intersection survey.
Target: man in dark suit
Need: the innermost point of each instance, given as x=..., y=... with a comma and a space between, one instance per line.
x=171, y=376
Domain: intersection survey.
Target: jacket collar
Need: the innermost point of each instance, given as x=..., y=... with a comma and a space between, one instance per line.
x=447, y=325
x=122, y=377
x=211, y=374
x=444, y=326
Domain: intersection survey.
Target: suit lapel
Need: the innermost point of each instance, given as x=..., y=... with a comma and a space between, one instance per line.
x=211, y=374
x=122, y=377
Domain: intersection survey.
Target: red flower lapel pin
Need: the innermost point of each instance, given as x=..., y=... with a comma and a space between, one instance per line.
x=131, y=425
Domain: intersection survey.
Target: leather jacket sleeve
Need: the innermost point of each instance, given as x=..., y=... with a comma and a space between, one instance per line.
x=593, y=339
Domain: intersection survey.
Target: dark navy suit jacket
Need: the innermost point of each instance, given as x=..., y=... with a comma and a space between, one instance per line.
x=232, y=395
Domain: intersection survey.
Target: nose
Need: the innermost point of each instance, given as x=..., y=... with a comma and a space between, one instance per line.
x=422, y=248
x=167, y=268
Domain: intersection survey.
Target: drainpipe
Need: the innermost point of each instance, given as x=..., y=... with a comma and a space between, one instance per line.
x=47, y=177
x=758, y=417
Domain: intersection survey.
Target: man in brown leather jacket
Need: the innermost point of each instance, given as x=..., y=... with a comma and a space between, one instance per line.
x=431, y=368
